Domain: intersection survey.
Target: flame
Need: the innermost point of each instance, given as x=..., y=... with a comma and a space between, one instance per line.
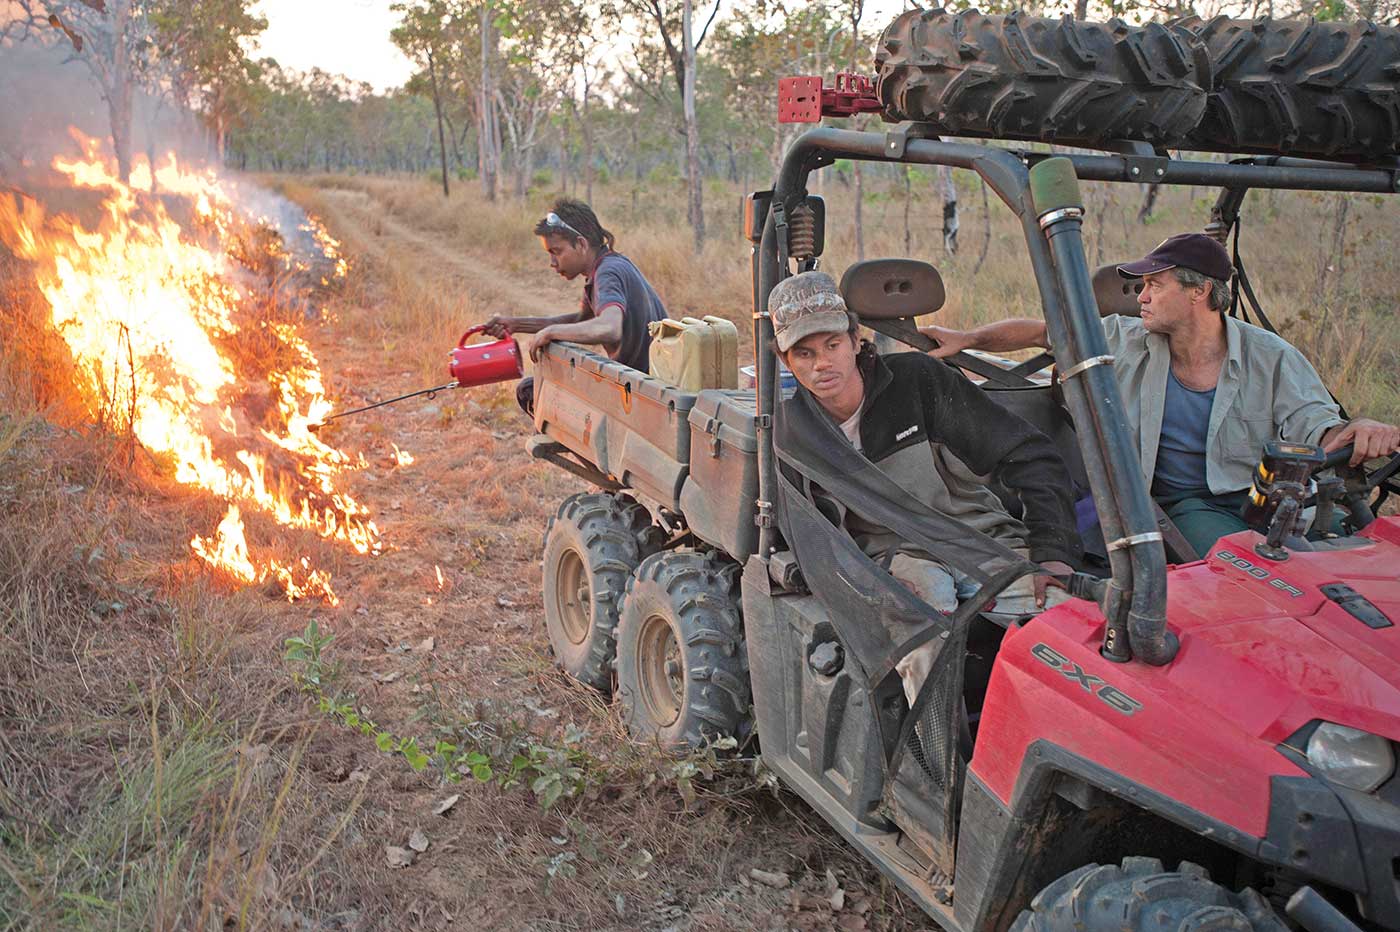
x=441, y=581
x=401, y=457
x=171, y=339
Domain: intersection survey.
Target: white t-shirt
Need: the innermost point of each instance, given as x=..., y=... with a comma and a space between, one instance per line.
x=851, y=428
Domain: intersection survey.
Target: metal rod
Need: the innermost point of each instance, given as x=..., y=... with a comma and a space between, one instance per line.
x=1286, y=174
x=1307, y=908
x=430, y=392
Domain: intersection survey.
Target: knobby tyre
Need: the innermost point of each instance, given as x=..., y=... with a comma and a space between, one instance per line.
x=1026, y=77
x=1300, y=87
x=1140, y=896
x=682, y=667
x=591, y=546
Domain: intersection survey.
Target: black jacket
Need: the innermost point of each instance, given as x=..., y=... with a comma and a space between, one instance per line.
x=939, y=437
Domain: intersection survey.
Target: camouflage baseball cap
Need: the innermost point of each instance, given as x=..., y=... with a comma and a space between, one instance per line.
x=804, y=304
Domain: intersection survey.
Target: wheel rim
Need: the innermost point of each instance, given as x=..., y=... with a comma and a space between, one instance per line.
x=572, y=596
x=662, y=673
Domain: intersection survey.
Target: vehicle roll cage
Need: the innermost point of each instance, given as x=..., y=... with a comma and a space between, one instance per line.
x=1133, y=600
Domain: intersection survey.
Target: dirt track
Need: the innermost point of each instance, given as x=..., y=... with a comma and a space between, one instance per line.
x=628, y=854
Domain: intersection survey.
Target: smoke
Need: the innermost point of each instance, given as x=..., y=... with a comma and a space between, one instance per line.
x=47, y=92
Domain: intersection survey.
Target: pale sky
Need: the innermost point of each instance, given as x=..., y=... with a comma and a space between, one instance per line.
x=351, y=37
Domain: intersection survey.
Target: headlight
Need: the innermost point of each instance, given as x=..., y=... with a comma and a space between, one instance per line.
x=1352, y=758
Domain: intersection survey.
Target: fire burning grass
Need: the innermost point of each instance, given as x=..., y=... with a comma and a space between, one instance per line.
x=176, y=338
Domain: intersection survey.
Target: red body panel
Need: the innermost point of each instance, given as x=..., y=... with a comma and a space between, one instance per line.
x=1263, y=652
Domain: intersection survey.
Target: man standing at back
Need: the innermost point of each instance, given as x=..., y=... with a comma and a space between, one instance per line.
x=618, y=302
x=1203, y=390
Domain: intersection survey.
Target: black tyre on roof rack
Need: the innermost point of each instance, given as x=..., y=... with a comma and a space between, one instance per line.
x=1028, y=77
x=1300, y=87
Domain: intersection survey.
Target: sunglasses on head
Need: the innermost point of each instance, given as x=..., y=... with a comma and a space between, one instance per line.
x=552, y=219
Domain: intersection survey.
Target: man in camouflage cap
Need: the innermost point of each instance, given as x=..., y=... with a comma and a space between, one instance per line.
x=936, y=435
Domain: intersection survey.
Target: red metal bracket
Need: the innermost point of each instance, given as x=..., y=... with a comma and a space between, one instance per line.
x=803, y=99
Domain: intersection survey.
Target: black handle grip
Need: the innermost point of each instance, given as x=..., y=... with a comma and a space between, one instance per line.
x=1338, y=457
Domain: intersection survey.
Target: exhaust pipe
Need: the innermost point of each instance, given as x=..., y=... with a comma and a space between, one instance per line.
x=1134, y=603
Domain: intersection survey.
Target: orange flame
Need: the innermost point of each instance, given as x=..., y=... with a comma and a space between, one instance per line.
x=165, y=333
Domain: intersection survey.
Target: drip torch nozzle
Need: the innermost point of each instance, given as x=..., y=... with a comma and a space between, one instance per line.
x=479, y=364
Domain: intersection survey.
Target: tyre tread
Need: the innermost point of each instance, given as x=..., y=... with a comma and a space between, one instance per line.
x=1138, y=895
x=700, y=592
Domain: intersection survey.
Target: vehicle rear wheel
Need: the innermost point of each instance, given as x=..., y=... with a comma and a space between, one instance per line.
x=1140, y=896
x=682, y=669
x=591, y=546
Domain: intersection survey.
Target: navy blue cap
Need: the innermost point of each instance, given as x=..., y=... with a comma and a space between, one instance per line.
x=1194, y=251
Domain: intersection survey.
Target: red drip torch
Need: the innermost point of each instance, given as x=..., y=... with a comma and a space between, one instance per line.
x=484, y=363
x=470, y=366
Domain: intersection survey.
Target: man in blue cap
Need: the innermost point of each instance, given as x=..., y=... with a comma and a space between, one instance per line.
x=1203, y=390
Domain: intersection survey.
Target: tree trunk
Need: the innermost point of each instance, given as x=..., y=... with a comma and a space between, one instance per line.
x=908, y=200
x=1330, y=264
x=859, y=225
x=1081, y=9
x=986, y=229
x=489, y=135
x=694, y=183
x=587, y=132
x=119, y=93
x=950, y=209
x=1149, y=201
x=563, y=161
x=442, y=138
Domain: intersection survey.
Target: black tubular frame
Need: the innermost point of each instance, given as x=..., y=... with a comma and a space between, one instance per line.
x=1134, y=601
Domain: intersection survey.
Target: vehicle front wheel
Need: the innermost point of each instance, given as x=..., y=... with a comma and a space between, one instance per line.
x=682, y=670
x=1140, y=896
x=591, y=546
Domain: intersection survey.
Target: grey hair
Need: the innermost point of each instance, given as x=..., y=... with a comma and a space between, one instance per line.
x=1218, y=294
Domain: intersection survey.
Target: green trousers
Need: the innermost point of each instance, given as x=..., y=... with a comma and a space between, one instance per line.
x=1204, y=518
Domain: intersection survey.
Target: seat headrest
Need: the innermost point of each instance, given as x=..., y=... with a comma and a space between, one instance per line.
x=889, y=289
x=1116, y=294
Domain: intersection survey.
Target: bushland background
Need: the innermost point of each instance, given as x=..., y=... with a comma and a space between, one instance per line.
x=164, y=759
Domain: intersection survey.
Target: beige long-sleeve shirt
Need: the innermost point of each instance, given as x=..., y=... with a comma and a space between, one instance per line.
x=1267, y=391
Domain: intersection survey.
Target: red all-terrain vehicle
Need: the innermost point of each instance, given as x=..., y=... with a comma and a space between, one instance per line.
x=1207, y=745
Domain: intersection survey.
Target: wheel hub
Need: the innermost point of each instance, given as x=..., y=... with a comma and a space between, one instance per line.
x=573, y=596
x=662, y=671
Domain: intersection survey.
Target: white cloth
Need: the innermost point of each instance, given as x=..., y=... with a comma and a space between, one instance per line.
x=942, y=587
x=851, y=428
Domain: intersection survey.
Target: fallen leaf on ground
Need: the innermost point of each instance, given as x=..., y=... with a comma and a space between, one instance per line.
x=442, y=807
x=386, y=677
x=398, y=857
x=418, y=841
x=425, y=645
x=777, y=880
x=359, y=776
x=835, y=896
x=503, y=602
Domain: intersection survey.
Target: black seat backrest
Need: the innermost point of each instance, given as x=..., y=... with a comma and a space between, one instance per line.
x=1116, y=294
x=891, y=289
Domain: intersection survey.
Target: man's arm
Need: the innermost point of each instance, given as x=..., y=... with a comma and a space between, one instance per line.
x=999, y=337
x=501, y=327
x=604, y=329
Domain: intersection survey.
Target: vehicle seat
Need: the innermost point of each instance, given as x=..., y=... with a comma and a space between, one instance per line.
x=1115, y=294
